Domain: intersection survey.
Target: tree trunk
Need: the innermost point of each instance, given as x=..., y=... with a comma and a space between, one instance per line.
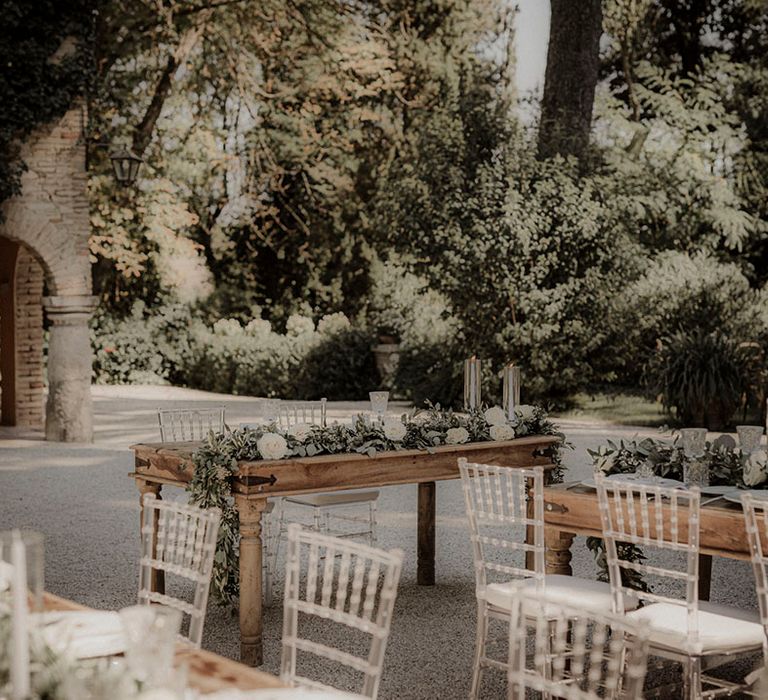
x=570, y=78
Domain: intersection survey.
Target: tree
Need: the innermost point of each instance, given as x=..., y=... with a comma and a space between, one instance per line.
x=570, y=78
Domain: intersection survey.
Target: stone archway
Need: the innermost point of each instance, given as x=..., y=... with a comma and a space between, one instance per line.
x=49, y=223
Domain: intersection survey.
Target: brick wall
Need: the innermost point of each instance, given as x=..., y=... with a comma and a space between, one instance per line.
x=51, y=215
x=29, y=340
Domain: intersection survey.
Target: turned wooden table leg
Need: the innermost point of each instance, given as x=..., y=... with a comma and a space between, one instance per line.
x=558, y=551
x=249, y=512
x=705, y=575
x=157, y=578
x=425, y=569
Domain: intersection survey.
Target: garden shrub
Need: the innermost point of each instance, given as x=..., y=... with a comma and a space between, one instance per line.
x=701, y=375
x=340, y=366
x=142, y=348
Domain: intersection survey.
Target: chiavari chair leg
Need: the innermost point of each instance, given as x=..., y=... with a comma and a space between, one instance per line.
x=480, y=642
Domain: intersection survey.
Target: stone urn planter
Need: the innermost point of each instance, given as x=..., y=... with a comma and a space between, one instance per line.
x=387, y=355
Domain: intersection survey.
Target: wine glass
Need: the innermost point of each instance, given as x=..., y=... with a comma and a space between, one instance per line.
x=379, y=401
x=749, y=438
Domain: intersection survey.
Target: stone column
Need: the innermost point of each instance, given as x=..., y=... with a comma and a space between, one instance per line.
x=69, y=413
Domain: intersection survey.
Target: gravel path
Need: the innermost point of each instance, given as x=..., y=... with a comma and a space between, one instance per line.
x=82, y=499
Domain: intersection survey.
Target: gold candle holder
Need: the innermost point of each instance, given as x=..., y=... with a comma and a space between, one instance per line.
x=472, y=384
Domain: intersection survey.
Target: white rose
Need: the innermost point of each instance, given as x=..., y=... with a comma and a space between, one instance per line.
x=272, y=446
x=524, y=412
x=456, y=436
x=756, y=468
x=495, y=416
x=394, y=430
x=300, y=431
x=502, y=432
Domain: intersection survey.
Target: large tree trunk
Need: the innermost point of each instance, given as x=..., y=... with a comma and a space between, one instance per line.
x=571, y=77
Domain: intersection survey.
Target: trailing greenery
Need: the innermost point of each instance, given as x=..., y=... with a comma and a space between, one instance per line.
x=217, y=460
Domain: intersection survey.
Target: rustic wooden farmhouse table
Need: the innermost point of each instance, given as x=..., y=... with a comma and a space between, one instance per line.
x=207, y=672
x=171, y=463
x=571, y=509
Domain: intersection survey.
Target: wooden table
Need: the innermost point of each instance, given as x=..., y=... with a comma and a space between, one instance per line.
x=171, y=463
x=208, y=672
x=571, y=510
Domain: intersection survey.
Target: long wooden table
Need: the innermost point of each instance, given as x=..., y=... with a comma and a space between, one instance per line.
x=161, y=464
x=208, y=672
x=570, y=510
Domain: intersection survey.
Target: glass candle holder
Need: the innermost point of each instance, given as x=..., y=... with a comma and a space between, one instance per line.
x=150, y=641
x=749, y=438
x=694, y=441
x=510, y=376
x=472, y=384
x=379, y=402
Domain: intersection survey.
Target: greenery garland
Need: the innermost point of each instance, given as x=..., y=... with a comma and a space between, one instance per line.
x=217, y=460
x=727, y=466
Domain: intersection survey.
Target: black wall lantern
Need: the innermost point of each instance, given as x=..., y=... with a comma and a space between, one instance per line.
x=125, y=164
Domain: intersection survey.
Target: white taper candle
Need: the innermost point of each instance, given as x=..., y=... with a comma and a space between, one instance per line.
x=19, y=621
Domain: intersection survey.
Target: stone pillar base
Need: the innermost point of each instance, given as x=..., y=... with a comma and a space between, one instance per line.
x=69, y=412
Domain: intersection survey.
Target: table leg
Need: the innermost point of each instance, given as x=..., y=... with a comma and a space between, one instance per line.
x=558, y=555
x=425, y=569
x=157, y=578
x=705, y=575
x=249, y=512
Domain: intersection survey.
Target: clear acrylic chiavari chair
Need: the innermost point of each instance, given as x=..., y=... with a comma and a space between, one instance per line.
x=576, y=654
x=699, y=635
x=180, y=541
x=187, y=424
x=339, y=585
x=327, y=509
x=505, y=507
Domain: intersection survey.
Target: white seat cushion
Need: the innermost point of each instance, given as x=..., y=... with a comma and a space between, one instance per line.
x=560, y=590
x=721, y=628
x=334, y=498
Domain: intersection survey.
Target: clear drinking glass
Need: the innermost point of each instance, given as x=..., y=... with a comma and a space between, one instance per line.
x=33, y=544
x=270, y=411
x=379, y=401
x=694, y=441
x=749, y=438
x=151, y=632
x=645, y=470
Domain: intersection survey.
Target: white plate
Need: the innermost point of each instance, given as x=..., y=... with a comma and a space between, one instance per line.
x=734, y=496
x=641, y=480
x=717, y=490
x=84, y=634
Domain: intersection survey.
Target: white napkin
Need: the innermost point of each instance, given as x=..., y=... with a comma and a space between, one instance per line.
x=84, y=634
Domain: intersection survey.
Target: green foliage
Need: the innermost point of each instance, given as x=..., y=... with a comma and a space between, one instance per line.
x=144, y=347
x=431, y=371
x=524, y=251
x=700, y=375
x=46, y=59
x=340, y=366
x=216, y=461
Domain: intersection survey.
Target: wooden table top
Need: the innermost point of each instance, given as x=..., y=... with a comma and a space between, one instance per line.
x=208, y=672
x=171, y=463
x=573, y=508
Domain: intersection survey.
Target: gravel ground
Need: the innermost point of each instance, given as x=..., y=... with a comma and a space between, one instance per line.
x=80, y=496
